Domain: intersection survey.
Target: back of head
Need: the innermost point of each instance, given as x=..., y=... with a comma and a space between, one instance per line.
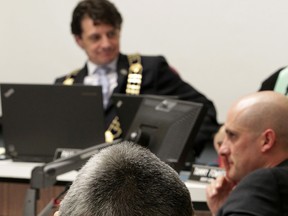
x=127, y=179
x=100, y=11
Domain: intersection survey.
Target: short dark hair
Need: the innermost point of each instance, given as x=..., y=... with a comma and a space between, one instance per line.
x=127, y=179
x=100, y=11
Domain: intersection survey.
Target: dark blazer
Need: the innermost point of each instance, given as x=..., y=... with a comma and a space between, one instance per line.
x=269, y=83
x=263, y=192
x=160, y=79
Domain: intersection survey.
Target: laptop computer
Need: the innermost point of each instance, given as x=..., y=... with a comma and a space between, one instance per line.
x=38, y=119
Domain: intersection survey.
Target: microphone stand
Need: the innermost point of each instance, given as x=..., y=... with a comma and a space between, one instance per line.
x=45, y=176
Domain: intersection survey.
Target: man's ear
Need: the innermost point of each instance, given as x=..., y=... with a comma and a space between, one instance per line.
x=79, y=40
x=269, y=139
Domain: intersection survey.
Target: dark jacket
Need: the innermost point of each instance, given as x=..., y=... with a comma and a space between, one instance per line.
x=269, y=83
x=263, y=192
x=160, y=79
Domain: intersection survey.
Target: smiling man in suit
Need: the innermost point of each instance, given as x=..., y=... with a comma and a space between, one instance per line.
x=96, y=26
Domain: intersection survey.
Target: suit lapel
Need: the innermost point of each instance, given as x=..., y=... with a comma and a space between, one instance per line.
x=122, y=70
x=79, y=78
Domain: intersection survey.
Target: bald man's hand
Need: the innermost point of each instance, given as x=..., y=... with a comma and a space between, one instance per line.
x=217, y=192
x=56, y=213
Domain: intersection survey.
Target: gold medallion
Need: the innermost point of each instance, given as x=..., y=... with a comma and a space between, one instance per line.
x=109, y=137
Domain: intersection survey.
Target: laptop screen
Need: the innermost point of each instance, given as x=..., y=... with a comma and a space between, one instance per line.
x=38, y=119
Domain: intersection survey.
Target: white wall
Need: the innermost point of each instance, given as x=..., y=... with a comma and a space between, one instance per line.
x=224, y=48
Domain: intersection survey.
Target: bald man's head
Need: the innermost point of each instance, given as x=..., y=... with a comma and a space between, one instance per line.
x=256, y=134
x=262, y=110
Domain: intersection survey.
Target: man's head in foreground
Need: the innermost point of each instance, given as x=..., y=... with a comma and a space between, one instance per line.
x=126, y=179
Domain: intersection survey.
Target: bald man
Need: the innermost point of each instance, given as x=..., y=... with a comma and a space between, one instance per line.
x=255, y=156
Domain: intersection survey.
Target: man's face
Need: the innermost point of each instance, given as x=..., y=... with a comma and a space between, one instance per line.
x=240, y=149
x=100, y=42
x=218, y=138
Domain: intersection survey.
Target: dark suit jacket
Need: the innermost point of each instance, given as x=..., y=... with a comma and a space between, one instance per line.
x=269, y=83
x=160, y=79
x=263, y=192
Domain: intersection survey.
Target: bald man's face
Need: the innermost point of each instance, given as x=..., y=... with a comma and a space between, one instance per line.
x=240, y=149
x=254, y=124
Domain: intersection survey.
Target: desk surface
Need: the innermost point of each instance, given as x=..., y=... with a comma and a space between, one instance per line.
x=22, y=170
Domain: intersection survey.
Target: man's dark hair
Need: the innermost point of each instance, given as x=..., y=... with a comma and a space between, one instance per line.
x=127, y=179
x=100, y=11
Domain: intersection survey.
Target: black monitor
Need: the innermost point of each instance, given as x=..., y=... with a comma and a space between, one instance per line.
x=166, y=126
x=126, y=109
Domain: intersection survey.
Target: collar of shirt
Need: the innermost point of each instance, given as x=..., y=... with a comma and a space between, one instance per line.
x=92, y=67
x=93, y=79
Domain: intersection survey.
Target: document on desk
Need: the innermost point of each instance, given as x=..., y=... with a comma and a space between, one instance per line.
x=197, y=190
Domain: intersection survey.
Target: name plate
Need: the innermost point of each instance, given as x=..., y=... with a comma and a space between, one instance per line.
x=65, y=152
x=206, y=174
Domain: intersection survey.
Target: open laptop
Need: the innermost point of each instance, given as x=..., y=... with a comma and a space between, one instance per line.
x=38, y=119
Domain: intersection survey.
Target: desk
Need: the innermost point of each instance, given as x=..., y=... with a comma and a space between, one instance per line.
x=14, y=181
x=22, y=170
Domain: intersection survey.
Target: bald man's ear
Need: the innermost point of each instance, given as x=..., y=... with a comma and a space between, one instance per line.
x=269, y=139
